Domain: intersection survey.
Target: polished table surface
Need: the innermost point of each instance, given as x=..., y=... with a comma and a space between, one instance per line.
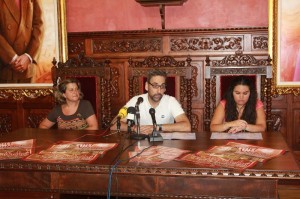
x=137, y=179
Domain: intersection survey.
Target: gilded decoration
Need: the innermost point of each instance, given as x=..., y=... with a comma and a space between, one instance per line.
x=208, y=43
x=128, y=45
x=20, y=93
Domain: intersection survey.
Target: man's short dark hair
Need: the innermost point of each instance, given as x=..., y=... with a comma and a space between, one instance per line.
x=156, y=72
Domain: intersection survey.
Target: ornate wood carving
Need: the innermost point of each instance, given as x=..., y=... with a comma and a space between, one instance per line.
x=127, y=45
x=34, y=119
x=240, y=59
x=5, y=123
x=206, y=43
x=260, y=42
x=19, y=93
x=76, y=46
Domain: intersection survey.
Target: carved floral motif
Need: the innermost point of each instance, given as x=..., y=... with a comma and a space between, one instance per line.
x=206, y=43
x=128, y=45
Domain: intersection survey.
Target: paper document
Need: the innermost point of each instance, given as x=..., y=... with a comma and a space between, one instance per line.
x=179, y=136
x=235, y=136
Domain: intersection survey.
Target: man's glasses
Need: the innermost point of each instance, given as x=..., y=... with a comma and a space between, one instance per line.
x=156, y=86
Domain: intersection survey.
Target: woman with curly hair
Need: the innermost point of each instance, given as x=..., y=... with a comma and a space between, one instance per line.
x=72, y=112
x=240, y=110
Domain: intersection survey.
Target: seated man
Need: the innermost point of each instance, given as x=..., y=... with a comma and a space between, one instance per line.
x=168, y=112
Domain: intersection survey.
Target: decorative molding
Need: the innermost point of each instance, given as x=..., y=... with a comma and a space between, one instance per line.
x=76, y=46
x=240, y=59
x=260, y=42
x=206, y=43
x=19, y=93
x=127, y=45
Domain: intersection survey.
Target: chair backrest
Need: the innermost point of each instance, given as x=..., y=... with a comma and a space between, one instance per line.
x=94, y=77
x=218, y=73
x=178, y=83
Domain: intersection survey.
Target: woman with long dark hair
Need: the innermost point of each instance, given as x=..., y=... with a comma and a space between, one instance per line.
x=240, y=110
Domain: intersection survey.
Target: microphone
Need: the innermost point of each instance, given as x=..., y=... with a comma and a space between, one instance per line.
x=131, y=111
x=139, y=101
x=156, y=136
x=122, y=114
x=152, y=113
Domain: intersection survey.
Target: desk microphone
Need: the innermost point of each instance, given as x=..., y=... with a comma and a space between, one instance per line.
x=122, y=114
x=156, y=136
x=131, y=111
x=139, y=101
x=152, y=113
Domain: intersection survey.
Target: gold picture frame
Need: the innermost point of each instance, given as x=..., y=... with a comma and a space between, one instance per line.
x=54, y=44
x=282, y=46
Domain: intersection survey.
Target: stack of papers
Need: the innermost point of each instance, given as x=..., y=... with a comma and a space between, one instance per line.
x=179, y=136
x=235, y=136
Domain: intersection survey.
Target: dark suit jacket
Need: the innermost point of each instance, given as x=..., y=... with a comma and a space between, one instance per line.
x=19, y=34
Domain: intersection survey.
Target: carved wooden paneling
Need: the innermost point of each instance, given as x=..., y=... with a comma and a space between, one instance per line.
x=119, y=46
x=20, y=107
x=206, y=43
x=296, y=134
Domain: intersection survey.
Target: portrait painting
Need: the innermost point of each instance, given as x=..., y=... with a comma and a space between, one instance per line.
x=33, y=30
x=284, y=44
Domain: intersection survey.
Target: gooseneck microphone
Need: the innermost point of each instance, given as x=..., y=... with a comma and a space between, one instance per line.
x=139, y=101
x=137, y=135
x=152, y=113
x=156, y=136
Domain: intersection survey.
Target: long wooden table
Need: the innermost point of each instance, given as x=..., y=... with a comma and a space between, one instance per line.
x=23, y=179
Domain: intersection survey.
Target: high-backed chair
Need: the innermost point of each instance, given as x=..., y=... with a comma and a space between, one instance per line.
x=178, y=83
x=219, y=72
x=94, y=77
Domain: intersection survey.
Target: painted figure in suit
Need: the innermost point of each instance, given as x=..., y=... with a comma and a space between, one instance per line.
x=21, y=35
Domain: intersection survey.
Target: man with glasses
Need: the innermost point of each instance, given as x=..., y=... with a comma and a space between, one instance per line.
x=168, y=112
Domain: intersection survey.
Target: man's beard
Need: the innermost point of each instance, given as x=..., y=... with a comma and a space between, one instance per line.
x=155, y=97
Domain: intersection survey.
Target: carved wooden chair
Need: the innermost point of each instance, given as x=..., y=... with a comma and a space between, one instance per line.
x=219, y=72
x=178, y=83
x=95, y=83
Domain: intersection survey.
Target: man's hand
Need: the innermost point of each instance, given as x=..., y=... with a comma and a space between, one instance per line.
x=145, y=129
x=21, y=63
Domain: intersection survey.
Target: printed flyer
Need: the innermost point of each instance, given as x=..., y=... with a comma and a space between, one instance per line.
x=72, y=152
x=233, y=155
x=156, y=154
x=16, y=149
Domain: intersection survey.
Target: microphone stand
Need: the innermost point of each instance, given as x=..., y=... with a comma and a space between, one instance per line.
x=156, y=136
x=138, y=135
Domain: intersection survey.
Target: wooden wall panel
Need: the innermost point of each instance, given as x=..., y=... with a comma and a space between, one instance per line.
x=24, y=107
x=119, y=46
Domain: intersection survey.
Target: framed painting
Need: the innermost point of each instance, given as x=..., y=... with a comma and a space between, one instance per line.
x=284, y=45
x=53, y=42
